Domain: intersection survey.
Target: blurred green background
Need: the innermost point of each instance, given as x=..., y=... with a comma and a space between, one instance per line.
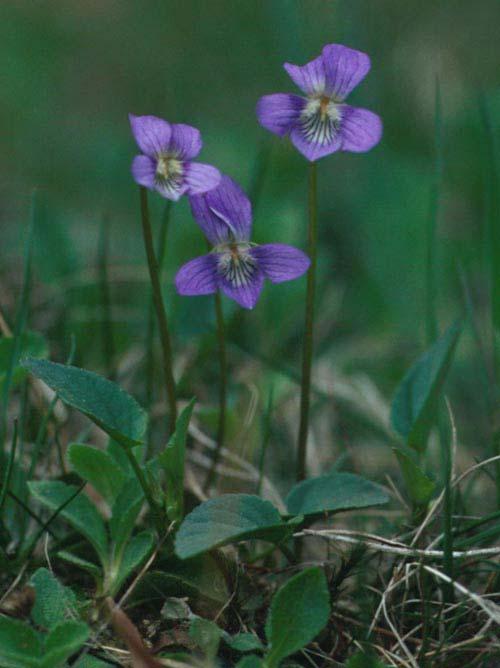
x=72, y=71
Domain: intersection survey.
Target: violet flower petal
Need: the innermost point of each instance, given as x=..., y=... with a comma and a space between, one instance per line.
x=152, y=134
x=198, y=276
x=279, y=112
x=171, y=191
x=245, y=295
x=360, y=129
x=144, y=171
x=224, y=213
x=280, y=262
x=310, y=78
x=314, y=151
x=344, y=69
x=200, y=177
x=185, y=141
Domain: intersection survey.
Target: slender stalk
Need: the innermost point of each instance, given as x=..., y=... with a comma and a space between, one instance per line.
x=448, y=503
x=432, y=332
x=156, y=510
x=150, y=358
x=221, y=427
x=161, y=314
x=309, y=327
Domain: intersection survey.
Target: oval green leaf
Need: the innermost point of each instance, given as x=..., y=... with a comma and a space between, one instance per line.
x=106, y=404
x=226, y=519
x=414, y=404
x=97, y=467
x=298, y=612
x=79, y=512
x=419, y=487
x=333, y=493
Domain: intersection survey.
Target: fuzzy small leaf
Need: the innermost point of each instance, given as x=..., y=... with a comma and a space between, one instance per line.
x=299, y=611
x=172, y=461
x=98, y=468
x=104, y=402
x=333, y=493
x=134, y=555
x=251, y=661
x=243, y=642
x=89, y=661
x=176, y=609
x=362, y=660
x=414, y=404
x=226, y=519
x=85, y=565
x=54, y=602
x=20, y=645
x=197, y=578
x=207, y=635
x=125, y=510
x=64, y=640
x=419, y=487
x=80, y=512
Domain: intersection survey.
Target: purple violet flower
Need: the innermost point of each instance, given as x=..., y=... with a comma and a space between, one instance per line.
x=322, y=123
x=235, y=265
x=168, y=150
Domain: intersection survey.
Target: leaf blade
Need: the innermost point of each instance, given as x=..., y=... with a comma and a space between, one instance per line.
x=104, y=402
x=228, y=518
x=97, y=467
x=299, y=611
x=414, y=403
x=80, y=512
x=332, y=493
x=172, y=461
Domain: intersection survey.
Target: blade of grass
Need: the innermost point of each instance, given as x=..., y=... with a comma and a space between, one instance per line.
x=21, y=316
x=492, y=237
x=28, y=511
x=42, y=430
x=26, y=553
x=108, y=342
x=8, y=470
x=266, y=433
x=432, y=332
x=259, y=173
x=432, y=220
x=492, y=243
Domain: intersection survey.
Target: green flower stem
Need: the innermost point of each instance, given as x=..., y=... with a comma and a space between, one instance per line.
x=159, y=305
x=221, y=427
x=161, y=247
x=156, y=510
x=309, y=327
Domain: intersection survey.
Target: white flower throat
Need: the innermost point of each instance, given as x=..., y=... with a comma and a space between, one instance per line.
x=235, y=263
x=320, y=119
x=168, y=170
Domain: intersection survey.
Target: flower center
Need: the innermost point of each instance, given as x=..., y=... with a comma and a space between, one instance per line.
x=168, y=170
x=235, y=264
x=320, y=120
